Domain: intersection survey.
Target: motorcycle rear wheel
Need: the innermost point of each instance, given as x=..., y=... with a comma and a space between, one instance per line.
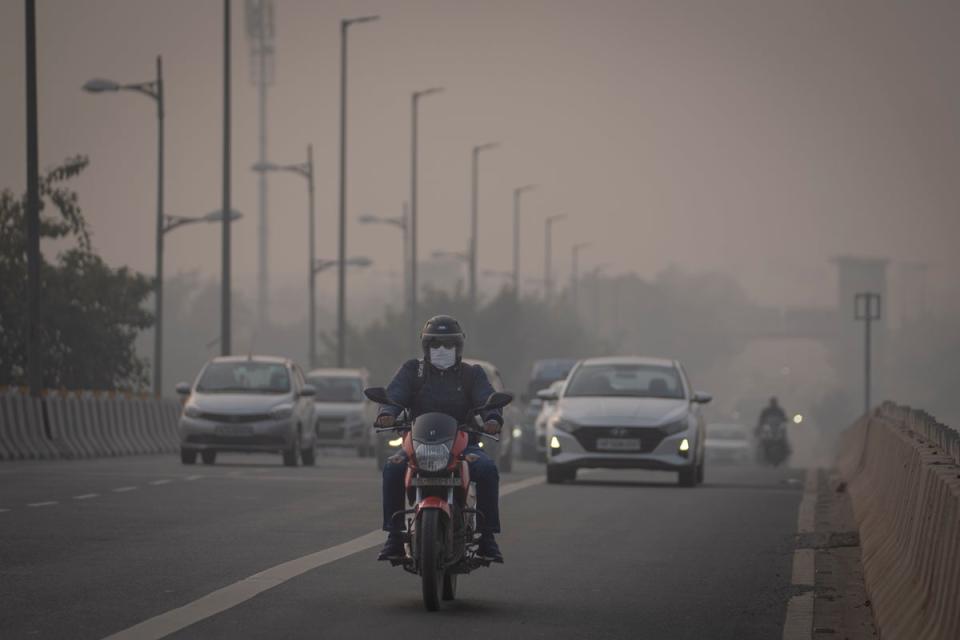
x=431, y=558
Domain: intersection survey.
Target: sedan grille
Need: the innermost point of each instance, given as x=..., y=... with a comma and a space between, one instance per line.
x=235, y=418
x=650, y=437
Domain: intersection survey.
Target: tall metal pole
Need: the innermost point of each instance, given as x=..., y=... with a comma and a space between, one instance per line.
x=225, y=328
x=158, y=327
x=548, y=248
x=472, y=255
x=342, y=242
x=405, y=227
x=313, y=276
x=34, y=365
x=867, y=308
x=414, y=103
x=575, y=274
x=263, y=279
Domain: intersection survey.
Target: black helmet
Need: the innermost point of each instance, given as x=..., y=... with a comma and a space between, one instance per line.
x=442, y=331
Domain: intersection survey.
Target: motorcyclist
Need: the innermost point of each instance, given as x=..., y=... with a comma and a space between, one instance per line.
x=773, y=415
x=441, y=382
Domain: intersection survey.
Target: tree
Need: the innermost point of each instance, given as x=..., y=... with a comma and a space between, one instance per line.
x=91, y=313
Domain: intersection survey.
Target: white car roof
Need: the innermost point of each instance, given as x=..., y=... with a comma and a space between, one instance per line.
x=332, y=371
x=641, y=360
x=252, y=358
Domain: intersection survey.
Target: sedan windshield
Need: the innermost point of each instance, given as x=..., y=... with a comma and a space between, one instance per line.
x=244, y=377
x=337, y=389
x=626, y=380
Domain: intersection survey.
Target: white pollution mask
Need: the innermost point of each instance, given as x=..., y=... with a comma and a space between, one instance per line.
x=443, y=357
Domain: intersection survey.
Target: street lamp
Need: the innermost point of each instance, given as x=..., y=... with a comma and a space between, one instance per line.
x=342, y=244
x=415, y=98
x=152, y=89
x=475, y=178
x=304, y=169
x=401, y=222
x=575, y=273
x=519, y=191
x=547, y=279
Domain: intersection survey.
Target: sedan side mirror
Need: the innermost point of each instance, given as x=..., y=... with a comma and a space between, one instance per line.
x=702, y=398
x=308, y=390
x=183, y=388
x=547, y=395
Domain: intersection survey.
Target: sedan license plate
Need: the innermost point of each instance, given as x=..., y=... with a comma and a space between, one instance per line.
x=234, y=430
x=619, y=444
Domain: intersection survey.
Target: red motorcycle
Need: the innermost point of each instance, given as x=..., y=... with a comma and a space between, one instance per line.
x=440, y=536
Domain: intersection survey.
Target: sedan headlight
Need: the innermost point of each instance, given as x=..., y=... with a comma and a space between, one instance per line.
x=676, y=427
x=281, y=411
x=432, y=457
x=562, y=425
x=191, y=411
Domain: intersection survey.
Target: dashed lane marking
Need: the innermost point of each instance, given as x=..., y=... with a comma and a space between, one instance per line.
x=4, y=510
x=124, y=489
x=86, y=496
x=234, y=594
x=157, y=483
x=43, y=504
x=192, y=478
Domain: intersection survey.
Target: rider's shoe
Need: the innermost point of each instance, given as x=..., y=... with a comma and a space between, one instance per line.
x=488, y=548
x=393, y=549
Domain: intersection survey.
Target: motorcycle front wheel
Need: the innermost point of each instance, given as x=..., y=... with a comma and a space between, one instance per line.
x=431, y=557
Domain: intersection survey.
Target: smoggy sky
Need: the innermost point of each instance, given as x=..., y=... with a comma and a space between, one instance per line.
x=757, y=137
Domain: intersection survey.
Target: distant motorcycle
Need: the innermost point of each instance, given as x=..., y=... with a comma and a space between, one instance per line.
x=773, y=448
x=440, y=535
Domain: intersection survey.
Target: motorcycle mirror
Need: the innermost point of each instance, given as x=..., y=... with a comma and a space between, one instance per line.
x=497, y=400
x=379, y=395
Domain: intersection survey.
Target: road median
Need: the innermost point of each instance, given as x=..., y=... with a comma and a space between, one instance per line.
x=902, y=470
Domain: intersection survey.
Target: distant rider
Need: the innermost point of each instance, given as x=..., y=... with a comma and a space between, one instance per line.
x=773, y=415
x=441, y=382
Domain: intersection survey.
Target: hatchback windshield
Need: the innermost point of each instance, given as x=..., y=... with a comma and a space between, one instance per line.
x=244, y=377
x=337, y=389
x=626, y=380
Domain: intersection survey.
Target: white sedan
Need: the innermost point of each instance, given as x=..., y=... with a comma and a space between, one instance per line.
x=626, y=412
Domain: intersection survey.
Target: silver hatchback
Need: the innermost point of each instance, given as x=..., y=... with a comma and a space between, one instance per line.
x=247, y=404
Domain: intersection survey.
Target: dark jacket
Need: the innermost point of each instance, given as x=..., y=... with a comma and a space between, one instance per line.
x=441, y=391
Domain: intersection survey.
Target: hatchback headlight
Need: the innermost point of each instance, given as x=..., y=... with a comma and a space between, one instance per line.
x=191, y=411
x=281, y=411
x=432, y=457
x=676, y=427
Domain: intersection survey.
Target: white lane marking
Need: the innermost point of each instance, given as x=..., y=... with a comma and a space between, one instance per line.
x=43, y=504
x=86, y=496
x=4, y=510
x=124, y=489
x=799, y=621
x=192, y=478
x=233, y=594
x=157, y=483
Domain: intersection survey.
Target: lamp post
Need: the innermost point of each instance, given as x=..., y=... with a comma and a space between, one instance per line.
x=866, y=309
x=152, y=89
x=304, y=169
x=517, y=193
x=575, y=273
x=226, y=304
x=34, y=364
x=342, y=243
x=415, y=98
x=402, y=223
x=474, y=205
x=547, y=278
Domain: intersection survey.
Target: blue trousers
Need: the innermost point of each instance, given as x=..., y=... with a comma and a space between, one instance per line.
x=483, y=471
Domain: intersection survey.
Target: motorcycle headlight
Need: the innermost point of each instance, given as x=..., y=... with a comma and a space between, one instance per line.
x=281, y=411
x=432, y=457
x=191, y=411
x=676, y=426
x=562, y=425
